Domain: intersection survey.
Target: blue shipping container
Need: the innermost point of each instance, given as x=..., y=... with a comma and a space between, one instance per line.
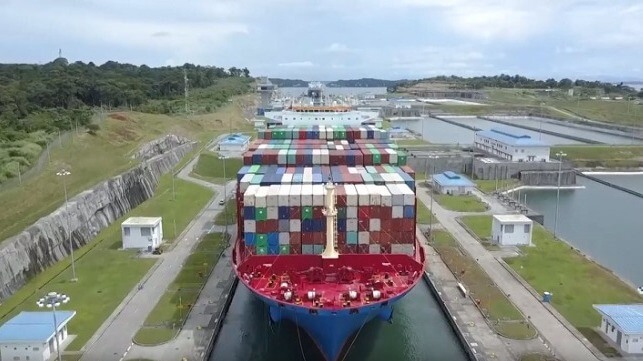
x=249, y=213
x=351, y=237
x=273, y=239
x=249, y=238
x=273, y=249
x=409, y=212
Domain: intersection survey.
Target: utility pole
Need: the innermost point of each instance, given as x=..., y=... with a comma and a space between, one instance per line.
x=560, y=166
x=185, y=80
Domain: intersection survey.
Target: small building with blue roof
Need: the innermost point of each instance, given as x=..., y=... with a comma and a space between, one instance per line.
x=511, y=146
x=452, y=183
x=622, y=325
x=234, y=143
x=30, y=335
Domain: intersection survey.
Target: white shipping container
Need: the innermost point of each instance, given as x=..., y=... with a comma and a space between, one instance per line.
x=329, y=133
x=385, y=196
x=307, y=195
x=249, y=196
x=272, y=199
x=363, y=238
x=316, y=156
x=273, y=213
x=307, y=179
x=324, y=156
x=392, y=156
x=351, y=212
x=250, y=226
x=351, y=225
x=408, y=249
x=397, y=212
x=308, y=170
x=397, y=198
x=284, y=192
x=282, y=156
x=374, y=194
x=398, y=178
x=351, y=195
x=295, y=225
x=318, y=194
x=260, y=197
x=286, y=178
x=374, y=249
x=374, y=224
x=294, y=199
x=364, y=198
x=352, y=170
x=284, y=238
x=409, y=195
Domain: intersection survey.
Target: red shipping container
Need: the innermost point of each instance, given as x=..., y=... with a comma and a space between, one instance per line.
x=296, y=249
x=374, y=237
x=295, y=212
x=247, y=159
x=363, y=212
x=396, y=224
x=290, y=170
x=407, y=225
x=250, y=249
x=396, y=236
x=362, y=248
x=385, y=238
x=374, y=211
x=261, y=226
x=341, y=196
x=341, y=238
x=295, y=238
x=363, y=225
x=319, y=238
x=299, y=157
x=267, y=135
x=385, y=157
x=368, y=158
x=385, y=248
x=307, y=238
x=348, y=249
x=302, y=134
x=386, y=213
x=317, y=212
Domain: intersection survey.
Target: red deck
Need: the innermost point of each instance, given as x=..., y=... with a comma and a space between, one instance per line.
x=294, y=278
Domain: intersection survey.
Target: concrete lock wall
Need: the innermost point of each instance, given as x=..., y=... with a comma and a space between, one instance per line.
x=548, y=178
x=506, y=170
x=47, y=241
x=455, y=163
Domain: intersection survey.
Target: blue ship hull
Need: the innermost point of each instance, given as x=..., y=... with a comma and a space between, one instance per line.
x=331, y=329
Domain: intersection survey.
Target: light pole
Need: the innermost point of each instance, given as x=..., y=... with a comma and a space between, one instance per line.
x=53, y=300
x=433, y=158
x=64, y=173
x=225, y=194
x=560, y=156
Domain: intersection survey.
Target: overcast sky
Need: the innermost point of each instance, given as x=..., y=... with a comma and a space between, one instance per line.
x=334, y=39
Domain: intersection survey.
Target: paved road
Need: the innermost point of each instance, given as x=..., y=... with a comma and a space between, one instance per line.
x=563, y=342
x=114, y=339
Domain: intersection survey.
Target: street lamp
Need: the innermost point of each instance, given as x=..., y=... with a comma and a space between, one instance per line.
x=53, y=300
x=560, y=156
x=64, y=173
x=433, y=157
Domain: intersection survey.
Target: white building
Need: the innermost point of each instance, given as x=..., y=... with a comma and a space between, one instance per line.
x=623, y=326
x=142, y=233
x=30, y=335
x=452, y=183
x=511, y=230
x=234, y=143
x=513, y=147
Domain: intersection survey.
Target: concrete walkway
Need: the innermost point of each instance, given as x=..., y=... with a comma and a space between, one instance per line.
x=113, y=340
x=563, y=342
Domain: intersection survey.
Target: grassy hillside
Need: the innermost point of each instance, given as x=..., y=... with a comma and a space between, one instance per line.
x=93, y=158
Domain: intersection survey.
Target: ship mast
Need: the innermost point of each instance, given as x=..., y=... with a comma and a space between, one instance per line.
x=331, y=213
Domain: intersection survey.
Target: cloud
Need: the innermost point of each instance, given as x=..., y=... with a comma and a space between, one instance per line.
x=338, y=48
x=297, y=64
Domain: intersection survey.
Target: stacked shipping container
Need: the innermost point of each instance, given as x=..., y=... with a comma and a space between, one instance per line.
x=280, y=207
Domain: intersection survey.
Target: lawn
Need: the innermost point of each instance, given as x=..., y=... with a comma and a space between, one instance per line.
x=489, y=186
x=462, y=203
x=610, y=156
x=576, y=282
x=424, y=215
x=105, y=273
x=211, y=168
x=174, y=306
x=410, y=142
x=92, y=159
x=502, y=314
x=231, y=211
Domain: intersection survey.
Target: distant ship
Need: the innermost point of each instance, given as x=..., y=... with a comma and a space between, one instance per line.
x=326, y=224
x=315, y=108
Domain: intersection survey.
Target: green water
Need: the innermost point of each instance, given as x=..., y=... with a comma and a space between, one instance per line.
x=419, y=332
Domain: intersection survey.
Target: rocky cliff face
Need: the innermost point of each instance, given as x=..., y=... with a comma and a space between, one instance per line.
x=47, y=241
x=160, y=146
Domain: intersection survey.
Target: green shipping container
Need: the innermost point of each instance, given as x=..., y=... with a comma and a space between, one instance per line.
x=307, y=212
x=261, y=214
x=401, y=158
x=389, y=168
x=261, y=240
x=254, y=168
x=377, y=157
x=370, y=169
x=292, y=157
x=284, y=249
x=261, y=250
x=340, y=134
x=256, y=179
x=341, y=212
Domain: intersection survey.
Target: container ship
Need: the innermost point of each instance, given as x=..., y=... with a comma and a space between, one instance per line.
x=326, y=228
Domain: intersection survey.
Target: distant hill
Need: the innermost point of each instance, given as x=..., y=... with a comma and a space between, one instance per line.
x=289, y=83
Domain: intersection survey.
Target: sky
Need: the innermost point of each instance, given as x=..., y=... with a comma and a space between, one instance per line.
x=333, y=39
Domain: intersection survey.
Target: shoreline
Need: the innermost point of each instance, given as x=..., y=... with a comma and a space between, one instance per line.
x=614, y=173
x=541, y=187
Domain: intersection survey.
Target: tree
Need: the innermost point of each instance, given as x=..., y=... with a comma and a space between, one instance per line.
x=246, y=72
x=565, y=83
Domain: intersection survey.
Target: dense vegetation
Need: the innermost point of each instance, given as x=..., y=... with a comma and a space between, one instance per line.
x=518, y=81
x=365, y=83
x=38, y=101
x=289, y=83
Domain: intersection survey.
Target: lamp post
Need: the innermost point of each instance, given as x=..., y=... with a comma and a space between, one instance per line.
x=53, y=300
x=560, y=156
x=64, y=173
x=433, y=158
